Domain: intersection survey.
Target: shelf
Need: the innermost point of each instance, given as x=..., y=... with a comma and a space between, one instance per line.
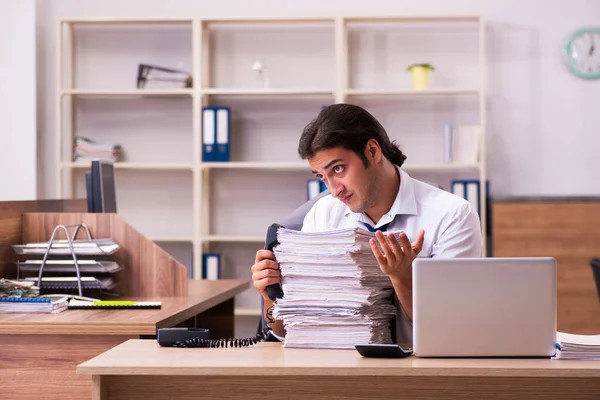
x=268, y=20
x=127, y=92
x=126, y=21
x=172, y=239
x=136, y=165
x=415, y=18
x=234, y=238
x=426, y=92
x=440, y=167
x=299, y=166
x=268, y=92
x=287, y=166
x=247, y=312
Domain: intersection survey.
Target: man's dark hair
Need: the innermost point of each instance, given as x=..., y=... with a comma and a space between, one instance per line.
x=348, y=126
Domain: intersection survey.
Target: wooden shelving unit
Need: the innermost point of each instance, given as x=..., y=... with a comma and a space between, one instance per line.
x=311, y=62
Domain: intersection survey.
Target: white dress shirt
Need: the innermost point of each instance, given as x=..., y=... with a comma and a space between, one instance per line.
x=452, y=227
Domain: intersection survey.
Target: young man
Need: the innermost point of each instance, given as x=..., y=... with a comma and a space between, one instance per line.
x=351, y=152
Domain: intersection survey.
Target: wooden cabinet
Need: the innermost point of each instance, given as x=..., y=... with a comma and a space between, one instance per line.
x=567, y=229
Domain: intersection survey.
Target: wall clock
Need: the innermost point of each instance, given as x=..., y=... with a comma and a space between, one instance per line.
x=582, y=53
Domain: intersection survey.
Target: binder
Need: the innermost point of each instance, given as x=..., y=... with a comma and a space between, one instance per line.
x=457, y=187
x=470, y=190
x=448, y=143
x=208, y=134
x=223, y=132
x=211, y=266
x=314, y=187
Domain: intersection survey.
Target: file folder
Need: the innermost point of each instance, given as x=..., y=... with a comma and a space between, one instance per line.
x=223, y=132
x=211, y=266
x=208, y=134
x=314, y=187
x=470, y=190
x=457, y=187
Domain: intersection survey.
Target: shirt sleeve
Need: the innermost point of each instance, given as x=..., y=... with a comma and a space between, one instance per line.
x=280, y=338
x=461, y=236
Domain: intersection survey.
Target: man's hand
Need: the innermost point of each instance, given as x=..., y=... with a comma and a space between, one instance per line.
x=265, y=272
x=395, y=258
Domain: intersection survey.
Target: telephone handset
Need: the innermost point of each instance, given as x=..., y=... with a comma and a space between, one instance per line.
x=197, y=337
x=274, y=291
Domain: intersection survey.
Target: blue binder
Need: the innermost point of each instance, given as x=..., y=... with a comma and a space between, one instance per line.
x=223, y=119
x=314, y=187
x=211, y=266
x=470, y=190
x=209, y=134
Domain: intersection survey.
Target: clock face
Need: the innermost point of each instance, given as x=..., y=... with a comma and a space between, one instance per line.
x=582, y=53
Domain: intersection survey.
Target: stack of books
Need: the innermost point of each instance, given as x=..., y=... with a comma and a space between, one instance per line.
x=158, y=77
x=87, y=149
x=335, y=294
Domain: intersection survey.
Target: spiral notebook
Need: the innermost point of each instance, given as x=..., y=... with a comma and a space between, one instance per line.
x=10, y=304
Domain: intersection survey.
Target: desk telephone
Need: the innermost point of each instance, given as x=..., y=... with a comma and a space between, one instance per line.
x=198, y=337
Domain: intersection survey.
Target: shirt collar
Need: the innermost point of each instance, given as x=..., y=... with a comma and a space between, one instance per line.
x=404, y=204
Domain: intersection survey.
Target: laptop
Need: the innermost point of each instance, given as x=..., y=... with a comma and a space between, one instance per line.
x=484, y=307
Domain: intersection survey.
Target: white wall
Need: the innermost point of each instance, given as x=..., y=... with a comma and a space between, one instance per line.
x=18, y=136
x=543, y=122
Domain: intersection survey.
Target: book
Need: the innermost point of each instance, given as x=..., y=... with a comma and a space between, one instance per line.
x=33, y=304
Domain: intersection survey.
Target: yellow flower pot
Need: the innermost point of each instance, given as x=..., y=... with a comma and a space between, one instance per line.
x=420, y=75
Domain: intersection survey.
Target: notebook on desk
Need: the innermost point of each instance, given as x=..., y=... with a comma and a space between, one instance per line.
x=9, y=304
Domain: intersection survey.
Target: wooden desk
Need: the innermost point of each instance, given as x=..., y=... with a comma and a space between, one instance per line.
x=39, y=352
x=141, y=369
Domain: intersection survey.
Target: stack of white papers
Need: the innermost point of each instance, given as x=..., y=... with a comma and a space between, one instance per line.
x=577, y=347
x=335, y=294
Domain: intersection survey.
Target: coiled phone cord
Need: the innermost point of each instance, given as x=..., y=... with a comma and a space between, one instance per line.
x=230, y=342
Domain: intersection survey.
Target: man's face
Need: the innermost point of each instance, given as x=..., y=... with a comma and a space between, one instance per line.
x=347, y=178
